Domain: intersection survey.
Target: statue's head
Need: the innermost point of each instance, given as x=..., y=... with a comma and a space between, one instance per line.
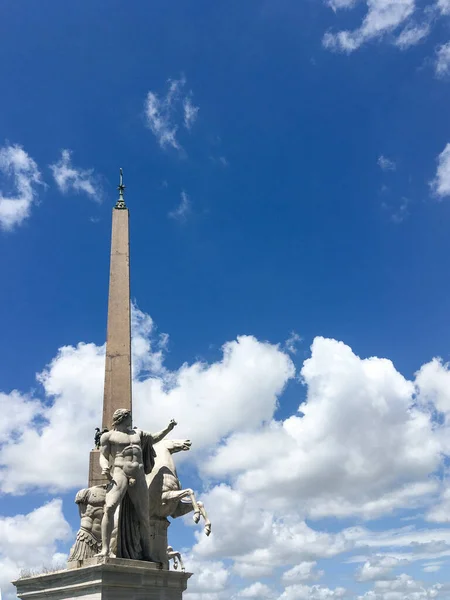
x=97, y=429
x=121, y=415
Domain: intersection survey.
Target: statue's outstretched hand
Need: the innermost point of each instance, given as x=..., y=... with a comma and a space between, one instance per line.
x=172, y=424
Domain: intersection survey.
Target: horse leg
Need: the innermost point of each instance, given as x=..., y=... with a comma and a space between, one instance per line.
x=171, y=555
x=183, y=508
x=192, y=501
x=176, y=557
x=181, y=562
x=205, y=517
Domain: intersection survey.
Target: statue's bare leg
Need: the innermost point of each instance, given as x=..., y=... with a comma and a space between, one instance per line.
x=139, y=497
x=114, y=495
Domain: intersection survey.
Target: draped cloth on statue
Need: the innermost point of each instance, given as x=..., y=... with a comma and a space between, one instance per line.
x=128, y=535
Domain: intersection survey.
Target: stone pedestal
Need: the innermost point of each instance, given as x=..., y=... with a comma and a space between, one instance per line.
x=101, y=578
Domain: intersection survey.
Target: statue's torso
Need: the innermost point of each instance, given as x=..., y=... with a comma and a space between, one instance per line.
x=126, y=450
x=92, y=514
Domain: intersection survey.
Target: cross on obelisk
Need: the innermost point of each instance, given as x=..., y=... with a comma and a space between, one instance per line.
x=117, y=390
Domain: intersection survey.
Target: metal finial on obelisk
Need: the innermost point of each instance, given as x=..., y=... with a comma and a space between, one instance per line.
x=121, y=201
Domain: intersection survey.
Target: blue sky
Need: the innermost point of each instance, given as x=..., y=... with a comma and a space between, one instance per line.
x=285, y=180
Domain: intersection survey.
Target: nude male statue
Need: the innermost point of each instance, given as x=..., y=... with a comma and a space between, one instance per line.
x=90, y=505
x=123, y=447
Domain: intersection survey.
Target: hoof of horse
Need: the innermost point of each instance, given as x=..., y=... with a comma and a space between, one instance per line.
x=207, y=529
x=196, y=517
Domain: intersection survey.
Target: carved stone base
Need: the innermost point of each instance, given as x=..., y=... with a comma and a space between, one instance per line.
x=101, y=578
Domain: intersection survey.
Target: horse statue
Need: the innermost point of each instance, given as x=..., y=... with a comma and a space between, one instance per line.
x=167, y=498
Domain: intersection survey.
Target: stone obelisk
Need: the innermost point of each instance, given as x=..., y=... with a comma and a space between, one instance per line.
x=108, y=577
x=117, y=390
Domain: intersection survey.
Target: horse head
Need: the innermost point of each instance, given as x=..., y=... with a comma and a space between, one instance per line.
x=178, y=445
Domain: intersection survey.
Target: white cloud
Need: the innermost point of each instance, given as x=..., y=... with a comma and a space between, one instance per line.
x=162, y=113
x=444, y=6
x=73, y=384
x=70, y=178
x=158, y=119
x=313, y=592
x=398, y=209
x=29, y=542
x=147, y=347
x=237, y=393
x=403, y=587
x=440, y=512
x=190, y=112
x=182, y=210
x=327, y=455
x=257, y=590
x=251, y=570
x=17, y=411
x=411, y=35
x=386, y=164
x=339, y=4
x=442, y=64
x=433, y=383
x=209, y=581
x=277, y=539
x=291, y=343
x=383, y=16
x=440, y=185
x=432, y=567
x=407, y=544
x=378, y=567
x=401, y=212
x=17, y=165
x=305, y=571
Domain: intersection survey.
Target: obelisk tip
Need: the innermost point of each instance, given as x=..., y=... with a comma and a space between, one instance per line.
x=121, y=201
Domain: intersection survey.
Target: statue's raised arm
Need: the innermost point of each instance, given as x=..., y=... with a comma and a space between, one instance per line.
x=157, y=437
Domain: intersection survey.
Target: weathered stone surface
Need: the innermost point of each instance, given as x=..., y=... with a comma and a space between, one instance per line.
x=117, y=391
x=104, y=578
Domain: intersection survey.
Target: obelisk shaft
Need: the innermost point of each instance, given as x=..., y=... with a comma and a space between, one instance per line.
x=117, y=391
